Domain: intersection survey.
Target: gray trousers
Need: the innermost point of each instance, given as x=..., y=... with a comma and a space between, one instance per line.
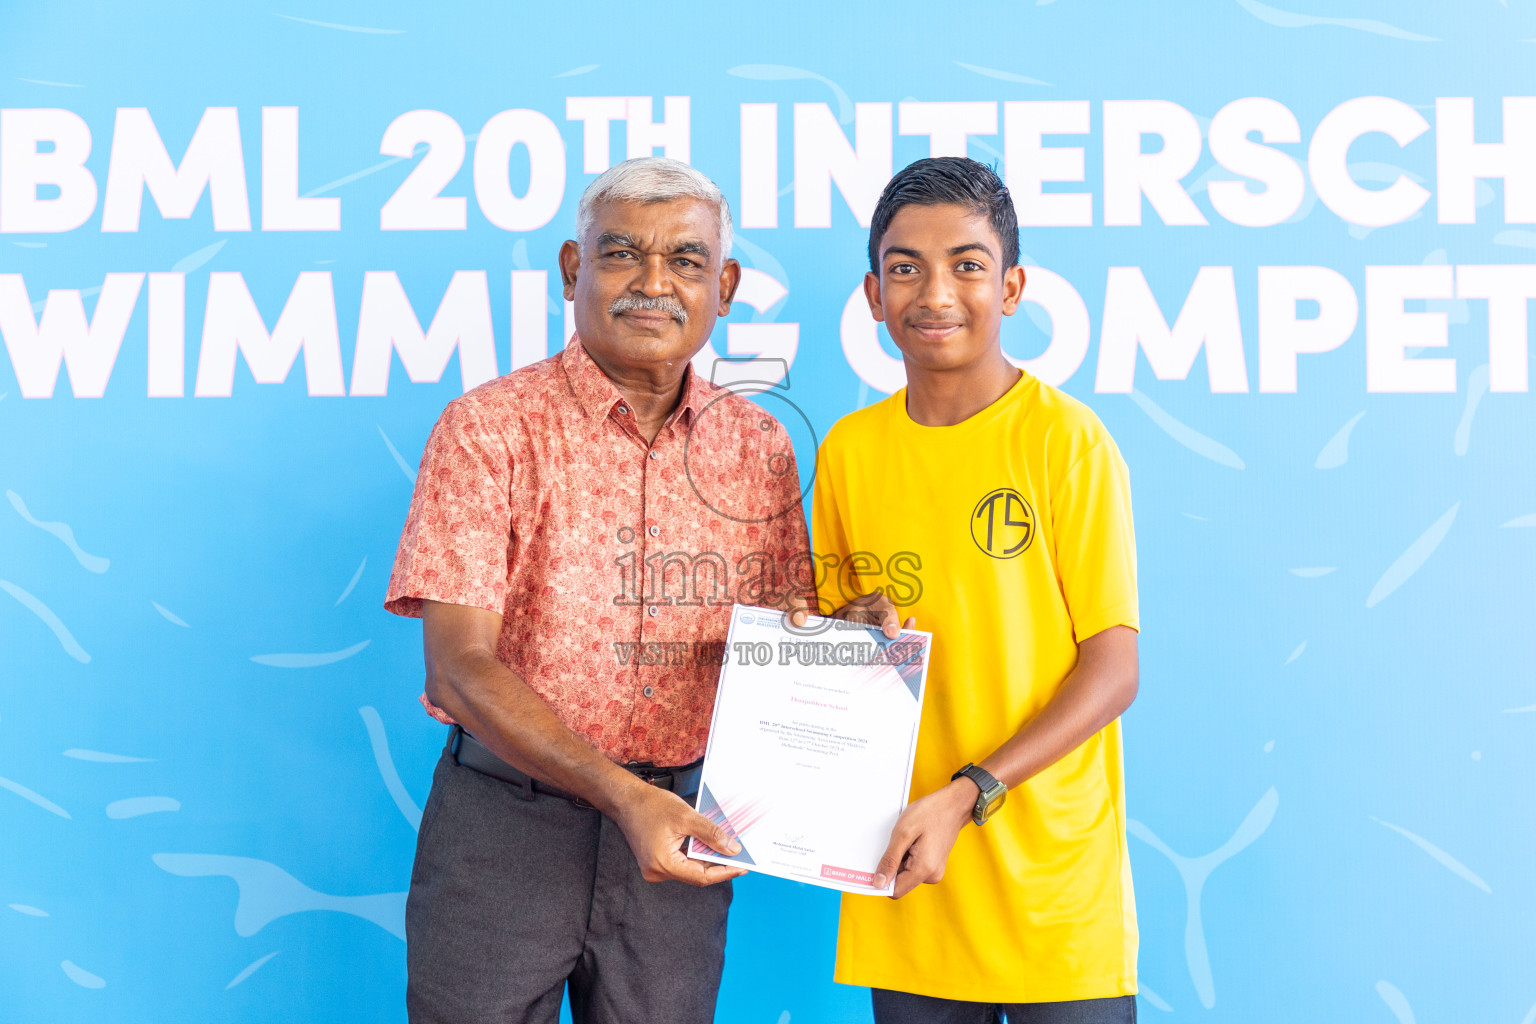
x=513, y=899
x=908, y=1008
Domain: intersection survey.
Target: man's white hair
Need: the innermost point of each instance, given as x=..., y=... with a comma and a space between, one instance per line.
x=653, y=179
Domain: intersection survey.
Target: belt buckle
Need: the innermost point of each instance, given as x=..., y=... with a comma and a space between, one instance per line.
x=649, y=772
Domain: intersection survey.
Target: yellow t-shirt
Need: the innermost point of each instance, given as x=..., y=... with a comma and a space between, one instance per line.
x=1009, y=537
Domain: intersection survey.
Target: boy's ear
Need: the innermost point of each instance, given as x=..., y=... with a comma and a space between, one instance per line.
x=872, y=294
x=1013, y=289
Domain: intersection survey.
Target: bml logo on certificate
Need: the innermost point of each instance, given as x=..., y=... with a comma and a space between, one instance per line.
x=810, y=752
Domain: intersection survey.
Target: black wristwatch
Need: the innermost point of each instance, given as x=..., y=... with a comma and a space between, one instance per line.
x=992, y=795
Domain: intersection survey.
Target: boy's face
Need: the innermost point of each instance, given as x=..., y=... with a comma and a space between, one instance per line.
x=942, y=291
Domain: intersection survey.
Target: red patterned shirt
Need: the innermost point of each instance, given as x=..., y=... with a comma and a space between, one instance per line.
x=612, y=562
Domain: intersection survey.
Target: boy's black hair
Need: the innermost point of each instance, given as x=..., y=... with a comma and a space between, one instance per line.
x=940, y=180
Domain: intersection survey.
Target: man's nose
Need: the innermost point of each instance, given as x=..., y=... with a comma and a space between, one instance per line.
x=653, y=278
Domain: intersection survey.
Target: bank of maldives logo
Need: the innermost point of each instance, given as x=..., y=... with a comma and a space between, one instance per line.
x=1003, y=524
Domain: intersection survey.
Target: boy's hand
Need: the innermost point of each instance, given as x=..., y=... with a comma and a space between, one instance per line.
x=924, y=835
x=872, y=609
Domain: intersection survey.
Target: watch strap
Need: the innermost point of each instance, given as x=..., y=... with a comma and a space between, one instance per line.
x=985, y=780
x=992, y=790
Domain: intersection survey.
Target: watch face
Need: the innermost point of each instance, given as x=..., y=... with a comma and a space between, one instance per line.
x=988, y=804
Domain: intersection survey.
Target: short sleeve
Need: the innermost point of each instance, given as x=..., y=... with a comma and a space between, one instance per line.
x=1096, y=542
x=454, y=545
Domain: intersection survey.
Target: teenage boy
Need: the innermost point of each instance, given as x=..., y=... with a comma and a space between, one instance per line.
x=1017, y=502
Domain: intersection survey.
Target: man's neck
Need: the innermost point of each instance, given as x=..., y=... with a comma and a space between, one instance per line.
x=652, y=392
x=943, y=398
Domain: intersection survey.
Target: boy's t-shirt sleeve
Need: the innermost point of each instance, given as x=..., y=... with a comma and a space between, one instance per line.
x=1096, y=542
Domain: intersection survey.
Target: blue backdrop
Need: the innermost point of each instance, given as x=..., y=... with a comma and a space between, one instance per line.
x=211, y=754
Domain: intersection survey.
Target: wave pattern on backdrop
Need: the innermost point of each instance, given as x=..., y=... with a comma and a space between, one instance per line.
x=1284, y=254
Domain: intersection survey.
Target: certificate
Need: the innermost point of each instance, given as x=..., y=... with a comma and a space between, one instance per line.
x=810, y=752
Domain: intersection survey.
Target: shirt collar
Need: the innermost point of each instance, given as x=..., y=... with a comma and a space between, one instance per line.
x=598, y=395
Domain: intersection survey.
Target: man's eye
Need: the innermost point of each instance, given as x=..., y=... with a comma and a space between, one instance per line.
x=621, y=254
x=903, y=268
x=686, y=263
x=970, y=265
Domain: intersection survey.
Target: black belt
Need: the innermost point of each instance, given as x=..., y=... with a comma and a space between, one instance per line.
x=471, y=753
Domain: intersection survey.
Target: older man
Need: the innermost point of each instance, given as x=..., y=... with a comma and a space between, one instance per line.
x=565, y=519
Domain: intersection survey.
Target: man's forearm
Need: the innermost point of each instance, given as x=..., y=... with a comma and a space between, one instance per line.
x=501, y=710
x=465, y=679
x=1096, y=692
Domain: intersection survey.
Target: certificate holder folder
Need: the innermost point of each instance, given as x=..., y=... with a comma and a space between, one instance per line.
x=809, y=762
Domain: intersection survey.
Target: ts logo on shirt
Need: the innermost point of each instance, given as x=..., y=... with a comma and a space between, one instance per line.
x=1003, y=524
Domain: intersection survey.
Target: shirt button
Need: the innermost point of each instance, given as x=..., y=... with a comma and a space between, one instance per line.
x=655, y=454
x=623, y=410
x=655, y=531
x=649, y=691
x=652, y=609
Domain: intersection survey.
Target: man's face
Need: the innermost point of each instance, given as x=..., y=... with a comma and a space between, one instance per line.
x=648, y=281
x=942, y=291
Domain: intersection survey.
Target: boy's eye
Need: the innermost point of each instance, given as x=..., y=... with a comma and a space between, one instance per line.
x=903, y=268
x=969, y=265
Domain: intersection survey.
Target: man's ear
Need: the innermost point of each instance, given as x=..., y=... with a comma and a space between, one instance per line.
x=1013, y=289
x=730, y=280
x=872, y=294
x=570, y=265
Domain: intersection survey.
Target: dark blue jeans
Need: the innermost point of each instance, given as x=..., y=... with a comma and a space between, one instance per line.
x=907, y=1008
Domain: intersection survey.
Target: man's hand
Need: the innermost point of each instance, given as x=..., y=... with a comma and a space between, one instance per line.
x=872, y=609
x=923, y=837
x=657, y=823
x=497, y=707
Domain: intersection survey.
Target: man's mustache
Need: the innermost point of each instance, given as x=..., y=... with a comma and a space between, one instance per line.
x=659, y=304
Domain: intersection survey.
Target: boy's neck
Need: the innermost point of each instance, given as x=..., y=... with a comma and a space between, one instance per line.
x=943, y=398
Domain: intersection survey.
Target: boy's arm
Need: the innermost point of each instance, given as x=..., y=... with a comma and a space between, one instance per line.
x=1095, y=558
x=1096, y=692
